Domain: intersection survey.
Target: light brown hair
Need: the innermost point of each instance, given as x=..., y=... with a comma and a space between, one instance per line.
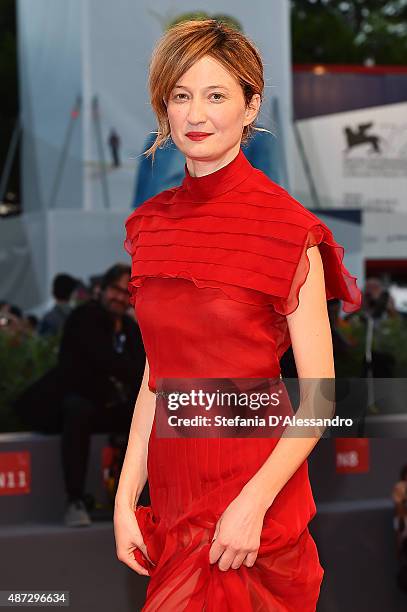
x=183, y=45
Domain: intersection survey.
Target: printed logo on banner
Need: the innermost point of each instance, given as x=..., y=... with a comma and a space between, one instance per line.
x=375, y=148
x=360, y=136
x=15, y=473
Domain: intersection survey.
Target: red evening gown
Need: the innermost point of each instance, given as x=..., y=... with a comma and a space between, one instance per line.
x=217, y=264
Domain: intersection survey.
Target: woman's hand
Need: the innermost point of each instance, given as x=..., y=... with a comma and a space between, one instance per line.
x=128, y=537
x=238, y=532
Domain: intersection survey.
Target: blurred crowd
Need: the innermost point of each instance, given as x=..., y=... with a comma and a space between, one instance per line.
x=67, y=293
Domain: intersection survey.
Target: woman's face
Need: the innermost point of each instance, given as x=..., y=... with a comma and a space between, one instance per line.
x=195, y=105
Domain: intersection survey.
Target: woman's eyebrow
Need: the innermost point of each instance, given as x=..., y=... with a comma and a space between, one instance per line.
x=209, y=87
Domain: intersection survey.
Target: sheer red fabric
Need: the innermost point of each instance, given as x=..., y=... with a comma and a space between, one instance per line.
x=217, y=264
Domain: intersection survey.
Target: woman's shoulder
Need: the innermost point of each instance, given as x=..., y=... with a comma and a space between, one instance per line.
x=271, y=201
x=160, y=199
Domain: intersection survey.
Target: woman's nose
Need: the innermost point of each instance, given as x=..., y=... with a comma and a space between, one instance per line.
x=196, y=112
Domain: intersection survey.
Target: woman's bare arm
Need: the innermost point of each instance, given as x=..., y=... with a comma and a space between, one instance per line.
x=311, y=338
x=134, y=471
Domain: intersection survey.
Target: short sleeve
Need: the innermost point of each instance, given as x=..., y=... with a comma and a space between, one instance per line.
x=339, y=283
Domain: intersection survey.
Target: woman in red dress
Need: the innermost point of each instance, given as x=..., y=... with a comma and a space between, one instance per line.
x=228, y=270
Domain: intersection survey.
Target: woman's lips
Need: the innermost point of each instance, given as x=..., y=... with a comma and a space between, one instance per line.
x=197, y=135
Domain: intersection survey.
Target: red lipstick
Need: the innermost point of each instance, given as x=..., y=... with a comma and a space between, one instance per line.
x=197, y=135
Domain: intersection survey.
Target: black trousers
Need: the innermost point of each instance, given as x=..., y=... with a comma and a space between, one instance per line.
x=80, y=418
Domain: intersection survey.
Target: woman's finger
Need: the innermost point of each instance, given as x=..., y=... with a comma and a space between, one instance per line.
x=129, y=560
x=226, y=559
x=217, y=528
x=216, y=548
x=250, y=559
x=134, y=565
x=237, y=561
x=143, y=549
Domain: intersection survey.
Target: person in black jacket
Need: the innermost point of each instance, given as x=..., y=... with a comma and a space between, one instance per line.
x=101, y=364
x=63, y=287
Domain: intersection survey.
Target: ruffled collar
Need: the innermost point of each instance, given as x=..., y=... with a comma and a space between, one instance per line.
x=219, y=182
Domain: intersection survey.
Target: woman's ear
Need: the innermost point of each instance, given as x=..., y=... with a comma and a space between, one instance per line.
x=252, y=109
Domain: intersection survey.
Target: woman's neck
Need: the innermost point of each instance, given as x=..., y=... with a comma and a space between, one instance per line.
x=198, y=167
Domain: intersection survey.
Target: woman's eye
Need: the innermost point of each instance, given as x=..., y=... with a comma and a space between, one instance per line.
x=176, y=97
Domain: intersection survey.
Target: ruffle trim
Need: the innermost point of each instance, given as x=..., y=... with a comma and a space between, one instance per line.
x=339, y=283
x=252, y=254
x=268, y=265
